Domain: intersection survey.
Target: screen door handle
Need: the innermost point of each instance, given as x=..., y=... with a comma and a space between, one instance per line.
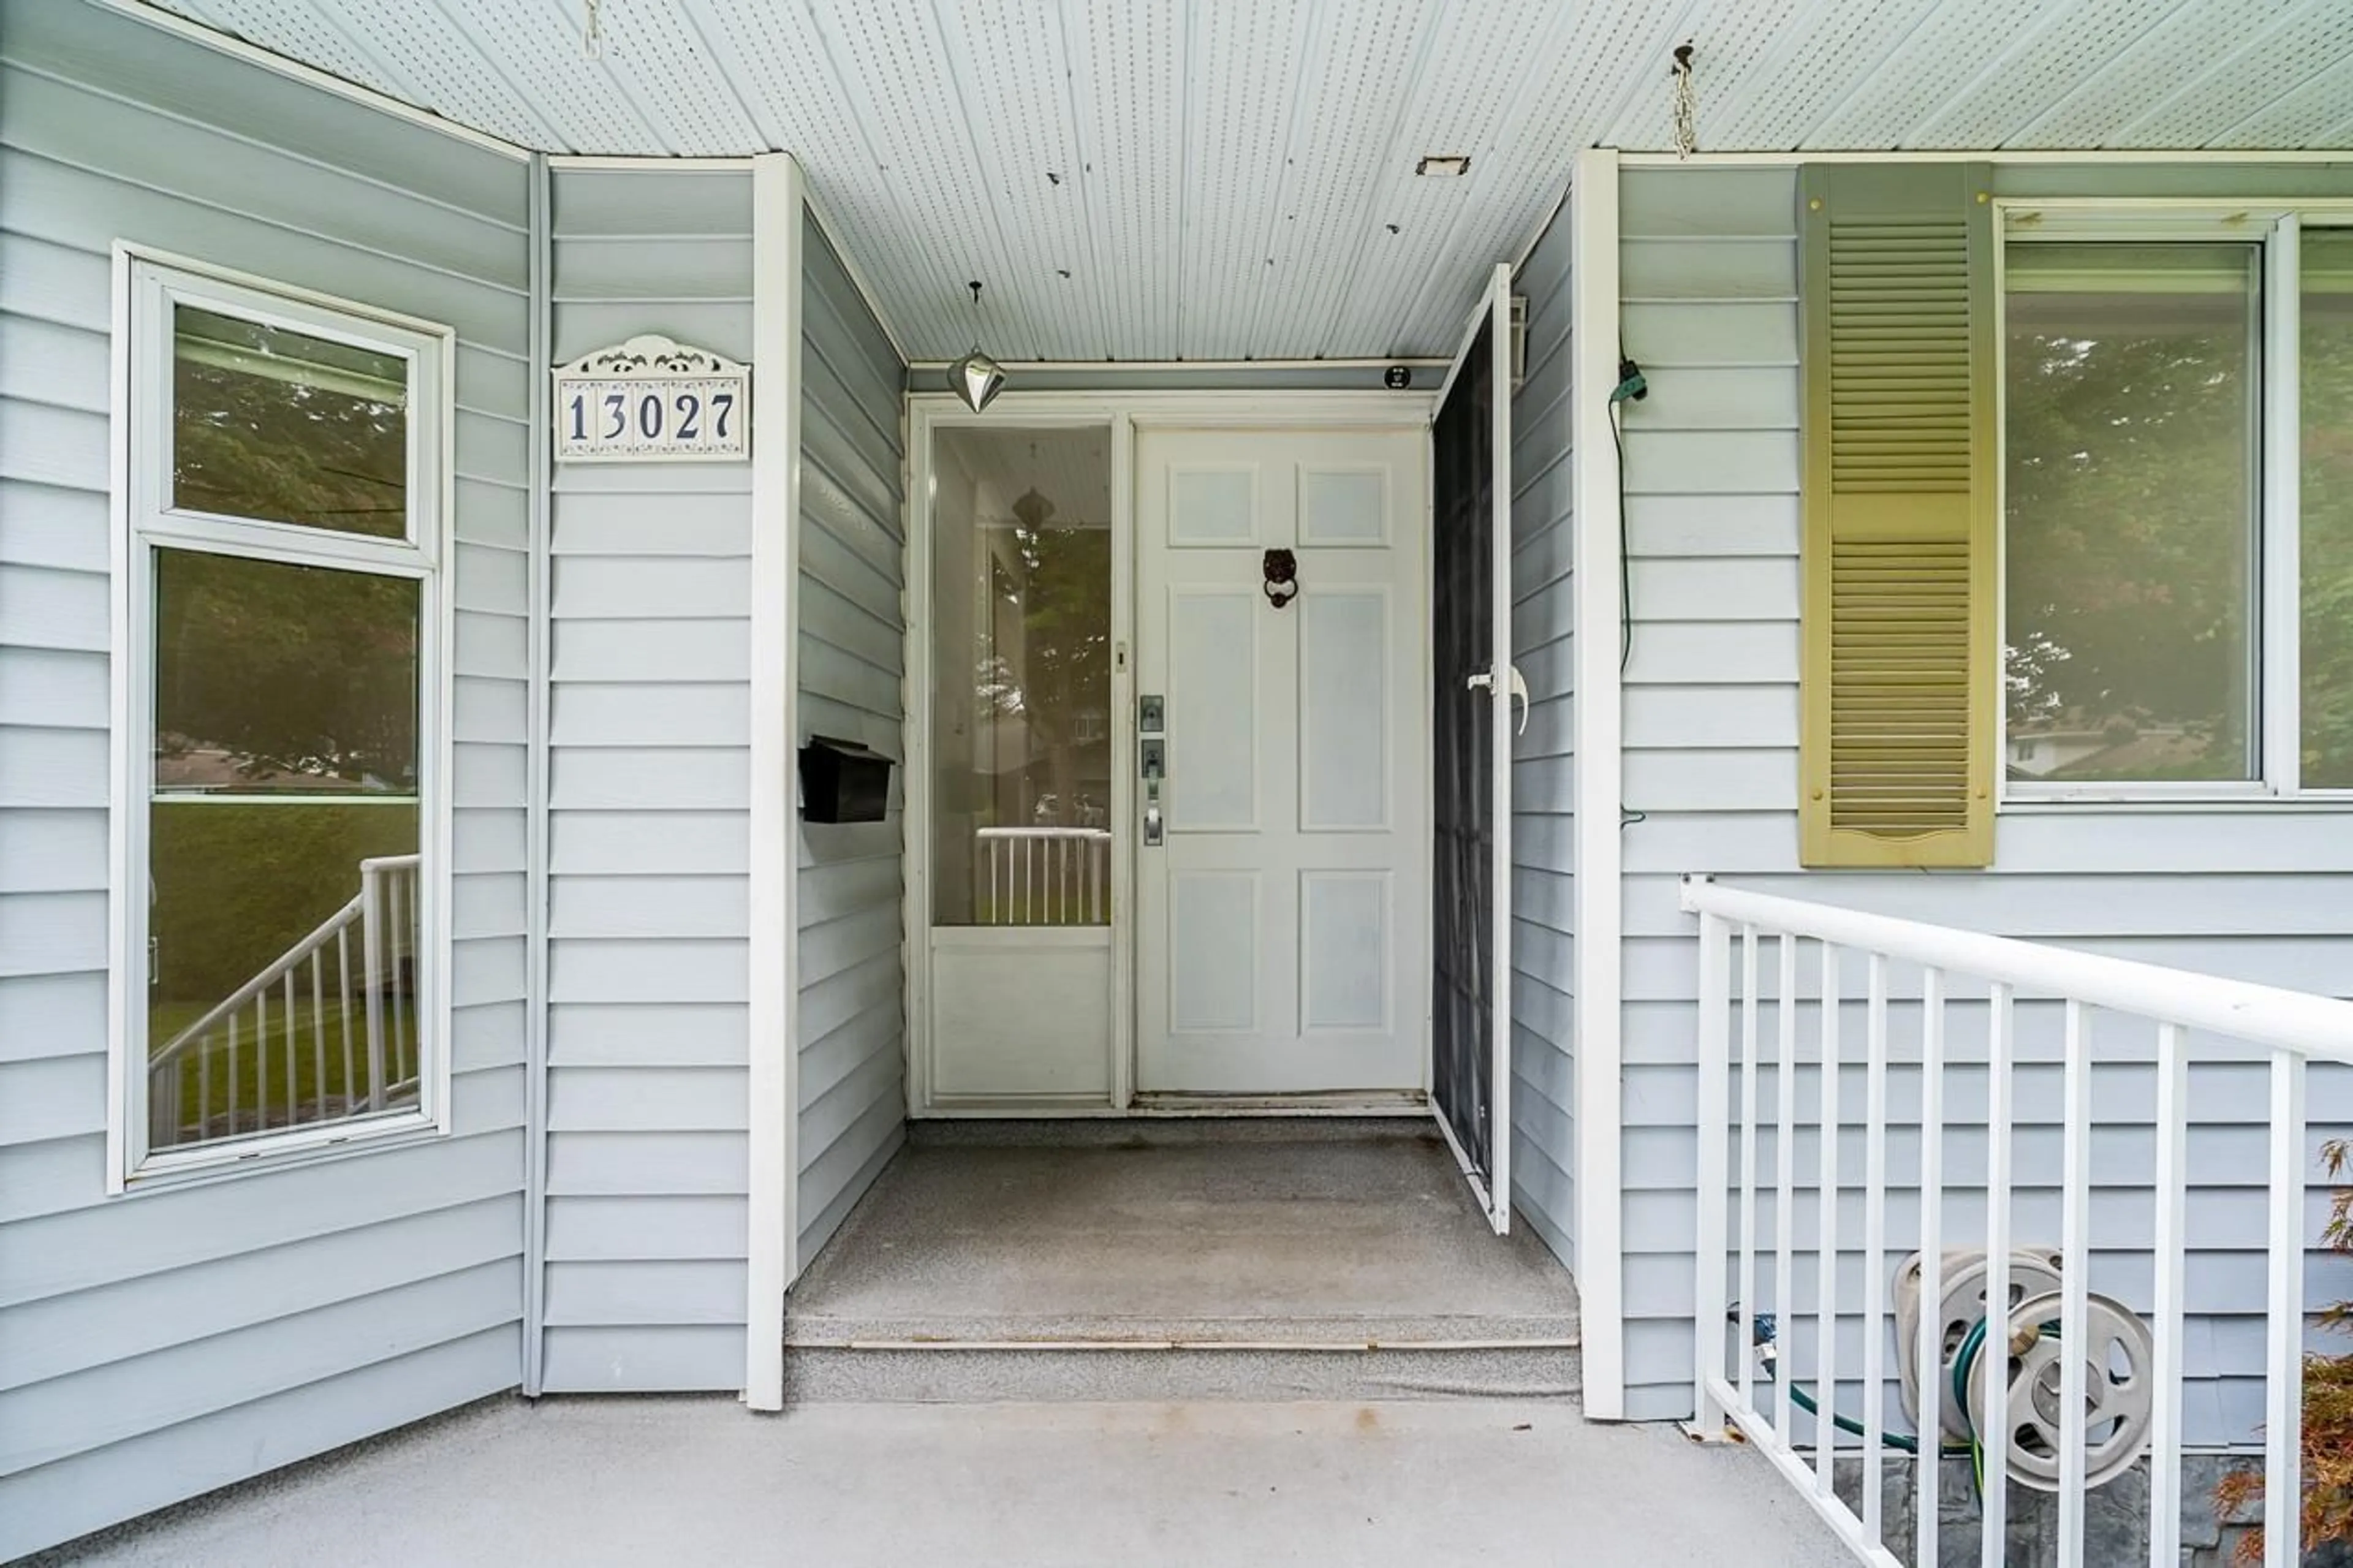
x=1485, y=681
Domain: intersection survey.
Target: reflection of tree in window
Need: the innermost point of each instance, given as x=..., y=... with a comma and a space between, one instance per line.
x=2129, y=553
x=1056, y=679
x=288, y=427
x=2327, y=554
x=273, y=678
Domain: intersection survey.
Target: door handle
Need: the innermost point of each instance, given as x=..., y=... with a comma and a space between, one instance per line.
x=1517, y=684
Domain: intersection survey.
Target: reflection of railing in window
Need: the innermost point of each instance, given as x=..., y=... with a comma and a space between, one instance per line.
x=1043, y=875
x=319, y=1034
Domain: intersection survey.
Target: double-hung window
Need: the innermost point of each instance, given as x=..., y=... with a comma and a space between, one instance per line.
x=2177, y=498
x=282, y=746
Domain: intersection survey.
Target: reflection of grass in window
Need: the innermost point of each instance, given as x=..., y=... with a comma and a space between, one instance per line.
x=237, y=884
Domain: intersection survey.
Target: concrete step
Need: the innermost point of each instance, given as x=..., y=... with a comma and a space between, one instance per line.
x=1037, y=1357
x=972, y=1374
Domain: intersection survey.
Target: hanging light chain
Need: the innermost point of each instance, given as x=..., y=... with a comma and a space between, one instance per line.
x=1686, y=103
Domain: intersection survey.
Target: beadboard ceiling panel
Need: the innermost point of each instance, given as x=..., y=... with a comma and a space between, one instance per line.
x=1223, y=179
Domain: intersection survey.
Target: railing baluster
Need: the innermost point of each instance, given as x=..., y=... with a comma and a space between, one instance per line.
x=2074, y=1278
x=204, y=1087
x=1874, y=1248
x=2165, y=1427
x=1785, y=1193
x=395, y=980
x=372, y=952
x=232, y=1075
x=318, y=1040
x=1929, y=1347
x=2283, y=1389
x=344, y=981
x=262, y=1062
x=1715, y=1065
x=293, y=1086
x=1993, y=1362
x=1826, y=1255
x=1745, y=1299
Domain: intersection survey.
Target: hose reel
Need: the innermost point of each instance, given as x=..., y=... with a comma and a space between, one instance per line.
x=2115, y=1345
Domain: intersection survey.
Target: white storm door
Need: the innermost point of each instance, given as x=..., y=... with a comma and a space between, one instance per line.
x=1282, y=908
x=1476, y=690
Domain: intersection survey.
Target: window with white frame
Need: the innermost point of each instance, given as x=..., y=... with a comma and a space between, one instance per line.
x=281, y=655
x=2177, y=474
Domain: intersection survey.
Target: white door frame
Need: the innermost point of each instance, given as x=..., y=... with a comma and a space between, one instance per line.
x=1122, y=412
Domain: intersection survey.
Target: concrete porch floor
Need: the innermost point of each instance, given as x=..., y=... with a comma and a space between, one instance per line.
x=694, y=1480
x=1291, y=1231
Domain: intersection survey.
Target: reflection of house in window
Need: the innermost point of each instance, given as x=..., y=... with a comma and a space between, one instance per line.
x=2115, y=752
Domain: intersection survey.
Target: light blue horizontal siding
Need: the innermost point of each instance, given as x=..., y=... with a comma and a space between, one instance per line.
x=1543, y=1020
x=850, y=975
x=1709, y=280
x=164, y=1344
x=650, y=731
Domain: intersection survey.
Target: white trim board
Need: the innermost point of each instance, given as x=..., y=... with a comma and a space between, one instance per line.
x=1181, y=366
x=536, y=805
x=1599, y=784
x=772, y=1248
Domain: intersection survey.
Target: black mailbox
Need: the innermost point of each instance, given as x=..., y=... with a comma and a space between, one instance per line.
x=842, y=780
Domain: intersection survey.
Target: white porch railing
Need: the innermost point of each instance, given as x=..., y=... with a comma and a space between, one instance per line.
x=1750, y=1218
x=348, y=1017
x=1044, y=876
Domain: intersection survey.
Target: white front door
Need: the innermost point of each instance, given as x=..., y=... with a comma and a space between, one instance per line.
x=1282, y=912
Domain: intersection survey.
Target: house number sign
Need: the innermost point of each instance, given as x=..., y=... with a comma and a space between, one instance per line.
x=651, y=400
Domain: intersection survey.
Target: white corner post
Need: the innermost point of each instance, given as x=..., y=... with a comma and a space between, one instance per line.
x=536, y=773
x=777, y=204
x=1600, y=1220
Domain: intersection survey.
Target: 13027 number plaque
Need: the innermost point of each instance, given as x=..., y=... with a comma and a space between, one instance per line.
x=652, y=400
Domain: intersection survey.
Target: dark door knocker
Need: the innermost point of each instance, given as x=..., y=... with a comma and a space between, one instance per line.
x=1281, y=577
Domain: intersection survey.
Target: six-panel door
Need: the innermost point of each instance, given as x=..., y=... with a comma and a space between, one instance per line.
x=1282, y=918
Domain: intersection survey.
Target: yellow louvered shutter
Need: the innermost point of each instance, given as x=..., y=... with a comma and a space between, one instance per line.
x=1901, y=670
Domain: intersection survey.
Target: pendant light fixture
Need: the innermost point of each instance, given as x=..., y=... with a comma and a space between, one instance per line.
x=975, y=378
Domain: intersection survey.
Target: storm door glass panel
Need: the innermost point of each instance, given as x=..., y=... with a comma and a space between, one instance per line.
x=286, y=426
x=2131, y=396
x=1022, y=734
x=2326, y=551
x=282, y=847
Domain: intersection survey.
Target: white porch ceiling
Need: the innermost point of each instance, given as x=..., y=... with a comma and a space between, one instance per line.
x=1216, y=179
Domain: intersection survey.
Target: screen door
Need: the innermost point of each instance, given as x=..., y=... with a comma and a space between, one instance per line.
x=1472, y=777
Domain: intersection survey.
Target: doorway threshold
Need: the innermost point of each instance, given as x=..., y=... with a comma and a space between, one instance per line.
x=1412, y=1103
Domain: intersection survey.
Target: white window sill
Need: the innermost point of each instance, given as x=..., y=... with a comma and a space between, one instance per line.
x=2332, y=803
x=298, y=1150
